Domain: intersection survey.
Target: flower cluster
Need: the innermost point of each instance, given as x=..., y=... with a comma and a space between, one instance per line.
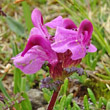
x=63, y=50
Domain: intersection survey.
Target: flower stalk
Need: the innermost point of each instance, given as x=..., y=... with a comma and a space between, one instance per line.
x=53, y=99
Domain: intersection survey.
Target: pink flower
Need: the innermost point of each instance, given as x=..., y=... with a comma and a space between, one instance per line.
x=38, y=48
x=69, y=46
x=68, y=37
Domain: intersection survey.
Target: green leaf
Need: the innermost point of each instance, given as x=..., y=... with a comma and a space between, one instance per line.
x=17, y=80
x=68, y=100
x=14, y=48
x=17, y=72
x=69, y=107
x=42, y=1
x=27, y=15
x=15, y=26
x=62, y=102
x=91, y=95
x=86, y=104
x=65, y=85
x=100, y=102
x=57, y=107
x=47, y=94
x=104, y=101
x=17, y=106
x=75, y=106
x=1, y=105
x=23, y=84
x=4, y=90
x=26, y=104
x=108, y=105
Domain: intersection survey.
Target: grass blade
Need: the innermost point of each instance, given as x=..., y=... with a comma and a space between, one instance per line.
x=91, y=95
x=86, y=104
x=27, y=15
x=15, y=26
x=4, y=90
x=108, y=105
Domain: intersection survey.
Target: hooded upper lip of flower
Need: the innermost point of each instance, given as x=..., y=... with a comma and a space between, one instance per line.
x=69, y=37
x=39, y=36
x=38, y=48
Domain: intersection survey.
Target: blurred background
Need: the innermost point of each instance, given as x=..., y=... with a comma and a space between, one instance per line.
x=86, y=92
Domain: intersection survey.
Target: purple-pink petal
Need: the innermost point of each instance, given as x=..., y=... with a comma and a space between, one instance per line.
x=75, y=41
x=35, y=31
x=85, y=26
x=36, y=40
x=60, y=47
x=78, y=52
x=62, y=34
x=91, y=48
x=42, y=42
x=60, y=22
x=69, y=24
x=37, y=18
x=55, y=22
x=32, y=61
x=64, y=45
